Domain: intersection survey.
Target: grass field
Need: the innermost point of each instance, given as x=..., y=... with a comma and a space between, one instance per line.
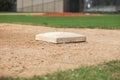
x=111, y=21
x=106, y=71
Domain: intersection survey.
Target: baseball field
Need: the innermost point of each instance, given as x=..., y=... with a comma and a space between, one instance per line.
x=24, y=58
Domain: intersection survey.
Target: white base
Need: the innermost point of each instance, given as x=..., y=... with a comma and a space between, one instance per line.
x=60, y=37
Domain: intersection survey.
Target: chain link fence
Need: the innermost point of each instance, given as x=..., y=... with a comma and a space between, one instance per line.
x=65, y=6
x=40, y=6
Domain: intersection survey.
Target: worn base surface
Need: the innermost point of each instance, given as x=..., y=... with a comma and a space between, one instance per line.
x=60, y=37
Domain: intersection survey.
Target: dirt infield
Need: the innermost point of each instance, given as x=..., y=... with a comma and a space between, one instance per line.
x=22, y=56
x=66, y=14
x=53, y=14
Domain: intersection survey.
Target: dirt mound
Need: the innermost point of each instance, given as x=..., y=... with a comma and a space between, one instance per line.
x=67, y=14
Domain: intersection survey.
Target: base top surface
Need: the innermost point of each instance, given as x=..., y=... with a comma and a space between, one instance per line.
x=60, y=34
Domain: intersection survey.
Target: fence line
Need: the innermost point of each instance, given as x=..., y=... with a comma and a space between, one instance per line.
x=42, y=7
x=58, y=6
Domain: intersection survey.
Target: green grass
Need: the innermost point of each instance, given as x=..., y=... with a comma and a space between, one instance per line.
x=111, y=21
x=106, y=71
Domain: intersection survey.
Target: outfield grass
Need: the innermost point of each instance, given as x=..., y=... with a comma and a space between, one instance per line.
x=106, y=71
x=111, y=21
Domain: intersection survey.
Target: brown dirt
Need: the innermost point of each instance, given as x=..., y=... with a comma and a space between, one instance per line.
x=66, y=14
x=22, y=56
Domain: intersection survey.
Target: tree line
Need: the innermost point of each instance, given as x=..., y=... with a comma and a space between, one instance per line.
x=6, y=5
